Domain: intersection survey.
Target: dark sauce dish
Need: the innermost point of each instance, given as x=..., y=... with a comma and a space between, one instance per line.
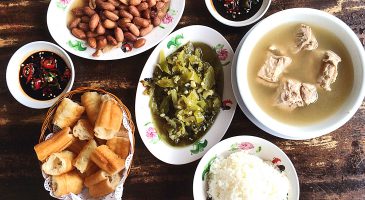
x=38, y=73
x=237, y=13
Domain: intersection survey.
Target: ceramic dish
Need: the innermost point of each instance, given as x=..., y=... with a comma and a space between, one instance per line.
x=147, y=131
x=253, y=145
x=57, y=25
x=264, y=7
x=12, y=73
x=353, y=102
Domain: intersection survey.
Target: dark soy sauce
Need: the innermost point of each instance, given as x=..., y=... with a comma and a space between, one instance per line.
x=237, y=10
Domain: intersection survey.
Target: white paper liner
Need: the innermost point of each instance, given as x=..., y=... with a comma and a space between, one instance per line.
x=117, y=194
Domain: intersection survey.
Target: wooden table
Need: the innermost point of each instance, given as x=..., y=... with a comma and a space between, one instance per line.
x=329, y=167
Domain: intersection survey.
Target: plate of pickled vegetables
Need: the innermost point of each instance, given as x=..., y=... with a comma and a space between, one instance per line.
x=184, y=101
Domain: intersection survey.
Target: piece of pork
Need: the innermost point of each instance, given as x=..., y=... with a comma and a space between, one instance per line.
x=273, y=67
x=293, y=94
x=289, y=96
x=328, y=73
x=305, y=39
x=308, y=93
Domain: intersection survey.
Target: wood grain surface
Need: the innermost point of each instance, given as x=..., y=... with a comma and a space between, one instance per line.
x=329, y=167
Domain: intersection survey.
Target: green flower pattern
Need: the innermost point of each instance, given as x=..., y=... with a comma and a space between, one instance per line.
x=199, y=146
x=175, y=41
x=77, y=45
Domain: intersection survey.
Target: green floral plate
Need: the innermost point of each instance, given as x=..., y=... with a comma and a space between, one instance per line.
x=147, y=129
x=57, y=15
x=252, y=145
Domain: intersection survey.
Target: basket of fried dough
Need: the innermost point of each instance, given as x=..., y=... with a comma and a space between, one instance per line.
x=86, y=146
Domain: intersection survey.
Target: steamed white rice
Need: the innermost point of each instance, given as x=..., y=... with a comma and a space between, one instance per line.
x=245, y=176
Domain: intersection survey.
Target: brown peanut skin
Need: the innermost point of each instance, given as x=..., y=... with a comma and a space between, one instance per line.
x=139, y=43
x=134, y=11
x=160, y=5
x=141, y=22
x=111, y=40
x=109, y=24
x=90, y=34
x=100, y=30
x=78, y=12
x=130, y=37
x=88, y=11
x=151, y=3
x=110, y=15
x=74, y=23
x=85, y=19
x=134, y=2
x=114, y=2
x=145, y=31
x=78, y=33
x=146, y=14
x=119, y=35
x=92, y=42
x=107, y=6
x=126, y=14
x=134, y=29
x=84, y=27
x=101, y=42
x=156, y=21
x=143, y=6
x=94, y=21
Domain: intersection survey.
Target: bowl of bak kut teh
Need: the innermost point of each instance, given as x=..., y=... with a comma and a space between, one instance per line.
x=39, y=73
x=300, y=74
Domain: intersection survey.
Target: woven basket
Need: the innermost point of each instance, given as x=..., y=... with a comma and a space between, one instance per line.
x=47, y=126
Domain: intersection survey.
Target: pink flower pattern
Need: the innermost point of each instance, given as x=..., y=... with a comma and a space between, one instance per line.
x=167, y=19
x=65, y=1
x=245, y=146
x=151, y=133
x=222, y=54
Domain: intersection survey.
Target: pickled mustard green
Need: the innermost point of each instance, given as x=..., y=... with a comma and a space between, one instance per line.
x=184, y=93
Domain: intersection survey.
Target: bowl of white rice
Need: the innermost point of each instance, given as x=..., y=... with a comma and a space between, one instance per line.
x=247, y=168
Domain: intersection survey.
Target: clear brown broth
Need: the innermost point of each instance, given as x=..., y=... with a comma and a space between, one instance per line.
x=305, y=67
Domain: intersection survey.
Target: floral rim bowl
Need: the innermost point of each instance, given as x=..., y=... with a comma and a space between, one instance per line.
x=57, y=25
x=254, y=146
x=151, y=138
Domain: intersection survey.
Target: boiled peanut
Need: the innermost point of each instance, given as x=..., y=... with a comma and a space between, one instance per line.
x=124, y=20
x=97, y=53
x=114, y=2
x=88, y=11
x=146, y=14
x=78, y=12
x=110, y=15
x=109, y=24
x=107, y=6
x=123, y=6
x=134, y=2
x=141, y=22
x=111, y=40
x=156, y=21
x=145, y=31
x=94, y=21
x=119, y=35
x=133, y=29
x=92, y=42
x=85, y=19
x=116, y=12
x=139, y=43
x=130, y=37
x=126, y=14
x=160, y=5
x=100, y=30
x=90, y=34
x=143, y=6
x=151, y=3
x=78, y=33
x=84, y=26
x=101, y=42
x=161, y=14
x=134, y=11
x=74, y=23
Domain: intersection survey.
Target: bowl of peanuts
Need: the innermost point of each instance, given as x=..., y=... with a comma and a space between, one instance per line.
x=112, y=29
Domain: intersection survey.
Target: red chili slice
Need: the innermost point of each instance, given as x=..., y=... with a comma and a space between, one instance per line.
x=28, y=71
x=49, y=63
x=37, y=84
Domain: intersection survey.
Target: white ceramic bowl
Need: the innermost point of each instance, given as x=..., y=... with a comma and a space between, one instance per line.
x=321, y=19
x=265, y=5
x=12, y=73
x=57, y=15
x=253, y=145
x=150, y=137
